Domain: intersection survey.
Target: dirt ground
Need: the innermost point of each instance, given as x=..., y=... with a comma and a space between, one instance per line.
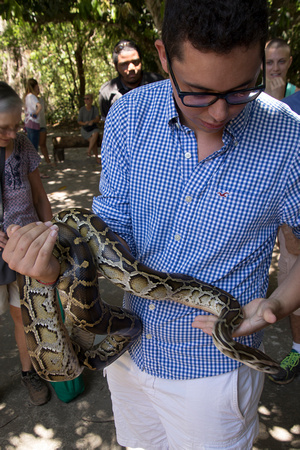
x=87, y=422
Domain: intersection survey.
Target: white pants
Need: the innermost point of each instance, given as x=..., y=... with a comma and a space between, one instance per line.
x=206, y=413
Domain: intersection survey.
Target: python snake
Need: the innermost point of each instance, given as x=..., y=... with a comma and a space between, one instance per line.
x=85, y=244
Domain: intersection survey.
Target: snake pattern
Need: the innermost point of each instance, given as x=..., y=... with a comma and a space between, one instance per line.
x=60, y=350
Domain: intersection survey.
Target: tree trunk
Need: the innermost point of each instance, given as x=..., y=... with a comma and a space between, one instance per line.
x=155, y=8
x=80, y=72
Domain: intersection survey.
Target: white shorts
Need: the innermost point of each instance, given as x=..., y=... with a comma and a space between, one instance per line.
x=9, y=295
x=206, y=413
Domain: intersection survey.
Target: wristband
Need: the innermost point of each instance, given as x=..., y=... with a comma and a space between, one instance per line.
x=46, y=283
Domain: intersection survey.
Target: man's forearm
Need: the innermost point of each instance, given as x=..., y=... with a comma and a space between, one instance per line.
x=288, y=292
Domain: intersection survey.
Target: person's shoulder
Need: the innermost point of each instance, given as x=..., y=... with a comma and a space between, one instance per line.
x=157, y=89
x=21, y=139
x=142, y=97
x=273, y=106
x=293, y=101
x=274, y=117
x=109, y=85
x=151, y=77
x=32, y=96
x=28, y=97
x=24, y=146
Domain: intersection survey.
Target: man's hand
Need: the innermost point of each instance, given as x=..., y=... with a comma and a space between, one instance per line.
x=29, y=250
x=257, y=314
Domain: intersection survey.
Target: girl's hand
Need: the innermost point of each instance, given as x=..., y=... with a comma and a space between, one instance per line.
x=29, y=250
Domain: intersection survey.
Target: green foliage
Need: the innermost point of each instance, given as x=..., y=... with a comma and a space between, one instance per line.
x=67, y=44
x=285, y=23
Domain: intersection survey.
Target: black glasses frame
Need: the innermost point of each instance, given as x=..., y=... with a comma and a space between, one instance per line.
x=222, y=95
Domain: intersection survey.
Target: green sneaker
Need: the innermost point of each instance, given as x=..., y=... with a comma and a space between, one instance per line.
x=290, y=367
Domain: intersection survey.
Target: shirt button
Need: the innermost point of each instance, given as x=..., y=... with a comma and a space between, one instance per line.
x=188, y=155
x=148, y=336
x=188, y=199
x=177, y=237
x=151, y=307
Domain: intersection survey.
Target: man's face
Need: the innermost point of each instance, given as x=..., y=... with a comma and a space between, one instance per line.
x=278, y=61
x=212, y=72
x=129, y=67
x=88, y=100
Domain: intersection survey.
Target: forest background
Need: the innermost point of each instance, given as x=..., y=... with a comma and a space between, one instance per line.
x=67, y=44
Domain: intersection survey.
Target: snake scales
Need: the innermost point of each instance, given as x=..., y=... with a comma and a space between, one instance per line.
x=85, y=244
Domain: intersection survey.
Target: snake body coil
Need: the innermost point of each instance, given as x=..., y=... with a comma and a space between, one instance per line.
x=60, y=351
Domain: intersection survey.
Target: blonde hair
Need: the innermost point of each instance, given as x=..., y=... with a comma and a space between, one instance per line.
x=278, y=43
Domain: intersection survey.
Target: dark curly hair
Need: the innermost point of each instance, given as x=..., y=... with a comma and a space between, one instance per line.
x=214, y=25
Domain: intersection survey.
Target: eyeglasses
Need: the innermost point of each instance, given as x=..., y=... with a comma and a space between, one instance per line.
x=202, y=99
x=87, y=98
x=7, y=131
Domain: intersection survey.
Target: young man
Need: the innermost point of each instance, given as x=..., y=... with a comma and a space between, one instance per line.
x=199, y=171
x=128, y=63
x=278, y=62
x=188, y=181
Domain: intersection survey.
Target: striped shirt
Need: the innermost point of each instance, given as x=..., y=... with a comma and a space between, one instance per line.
x=215, y=219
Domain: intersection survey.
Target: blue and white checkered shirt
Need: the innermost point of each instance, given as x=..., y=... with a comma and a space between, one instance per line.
x=215, y=219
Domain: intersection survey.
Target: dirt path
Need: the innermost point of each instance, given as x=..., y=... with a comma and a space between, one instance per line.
x=73, y=182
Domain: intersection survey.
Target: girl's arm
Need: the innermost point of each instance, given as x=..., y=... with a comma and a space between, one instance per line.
x=39, y=196
x=29, y=249
x=38, y=108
